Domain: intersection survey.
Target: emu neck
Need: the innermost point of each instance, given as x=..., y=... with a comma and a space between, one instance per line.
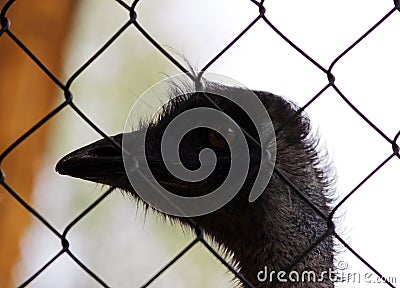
x=266, y=239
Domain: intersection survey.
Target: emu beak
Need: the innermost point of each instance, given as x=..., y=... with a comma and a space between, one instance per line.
x=100, y=162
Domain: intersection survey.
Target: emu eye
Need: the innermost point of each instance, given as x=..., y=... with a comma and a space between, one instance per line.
x=218, y=141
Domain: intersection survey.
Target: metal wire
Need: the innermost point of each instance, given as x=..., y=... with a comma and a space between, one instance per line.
x=261, y=17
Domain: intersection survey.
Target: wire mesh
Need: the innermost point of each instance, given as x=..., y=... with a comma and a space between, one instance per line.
x=260, y=17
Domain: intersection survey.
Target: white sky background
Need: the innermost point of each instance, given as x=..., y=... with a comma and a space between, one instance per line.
x=368, y=75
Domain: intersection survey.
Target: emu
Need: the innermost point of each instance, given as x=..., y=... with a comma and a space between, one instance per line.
x=268, y=235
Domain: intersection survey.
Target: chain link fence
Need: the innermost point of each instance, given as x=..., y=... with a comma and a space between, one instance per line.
x=260, y=17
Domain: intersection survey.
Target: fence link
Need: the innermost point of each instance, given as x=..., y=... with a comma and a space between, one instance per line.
x=260, y=17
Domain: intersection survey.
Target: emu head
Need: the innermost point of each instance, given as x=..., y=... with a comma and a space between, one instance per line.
x=102, y=161
x=274, y=229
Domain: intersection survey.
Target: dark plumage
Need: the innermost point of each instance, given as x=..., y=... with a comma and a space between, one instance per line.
x=269, y=232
